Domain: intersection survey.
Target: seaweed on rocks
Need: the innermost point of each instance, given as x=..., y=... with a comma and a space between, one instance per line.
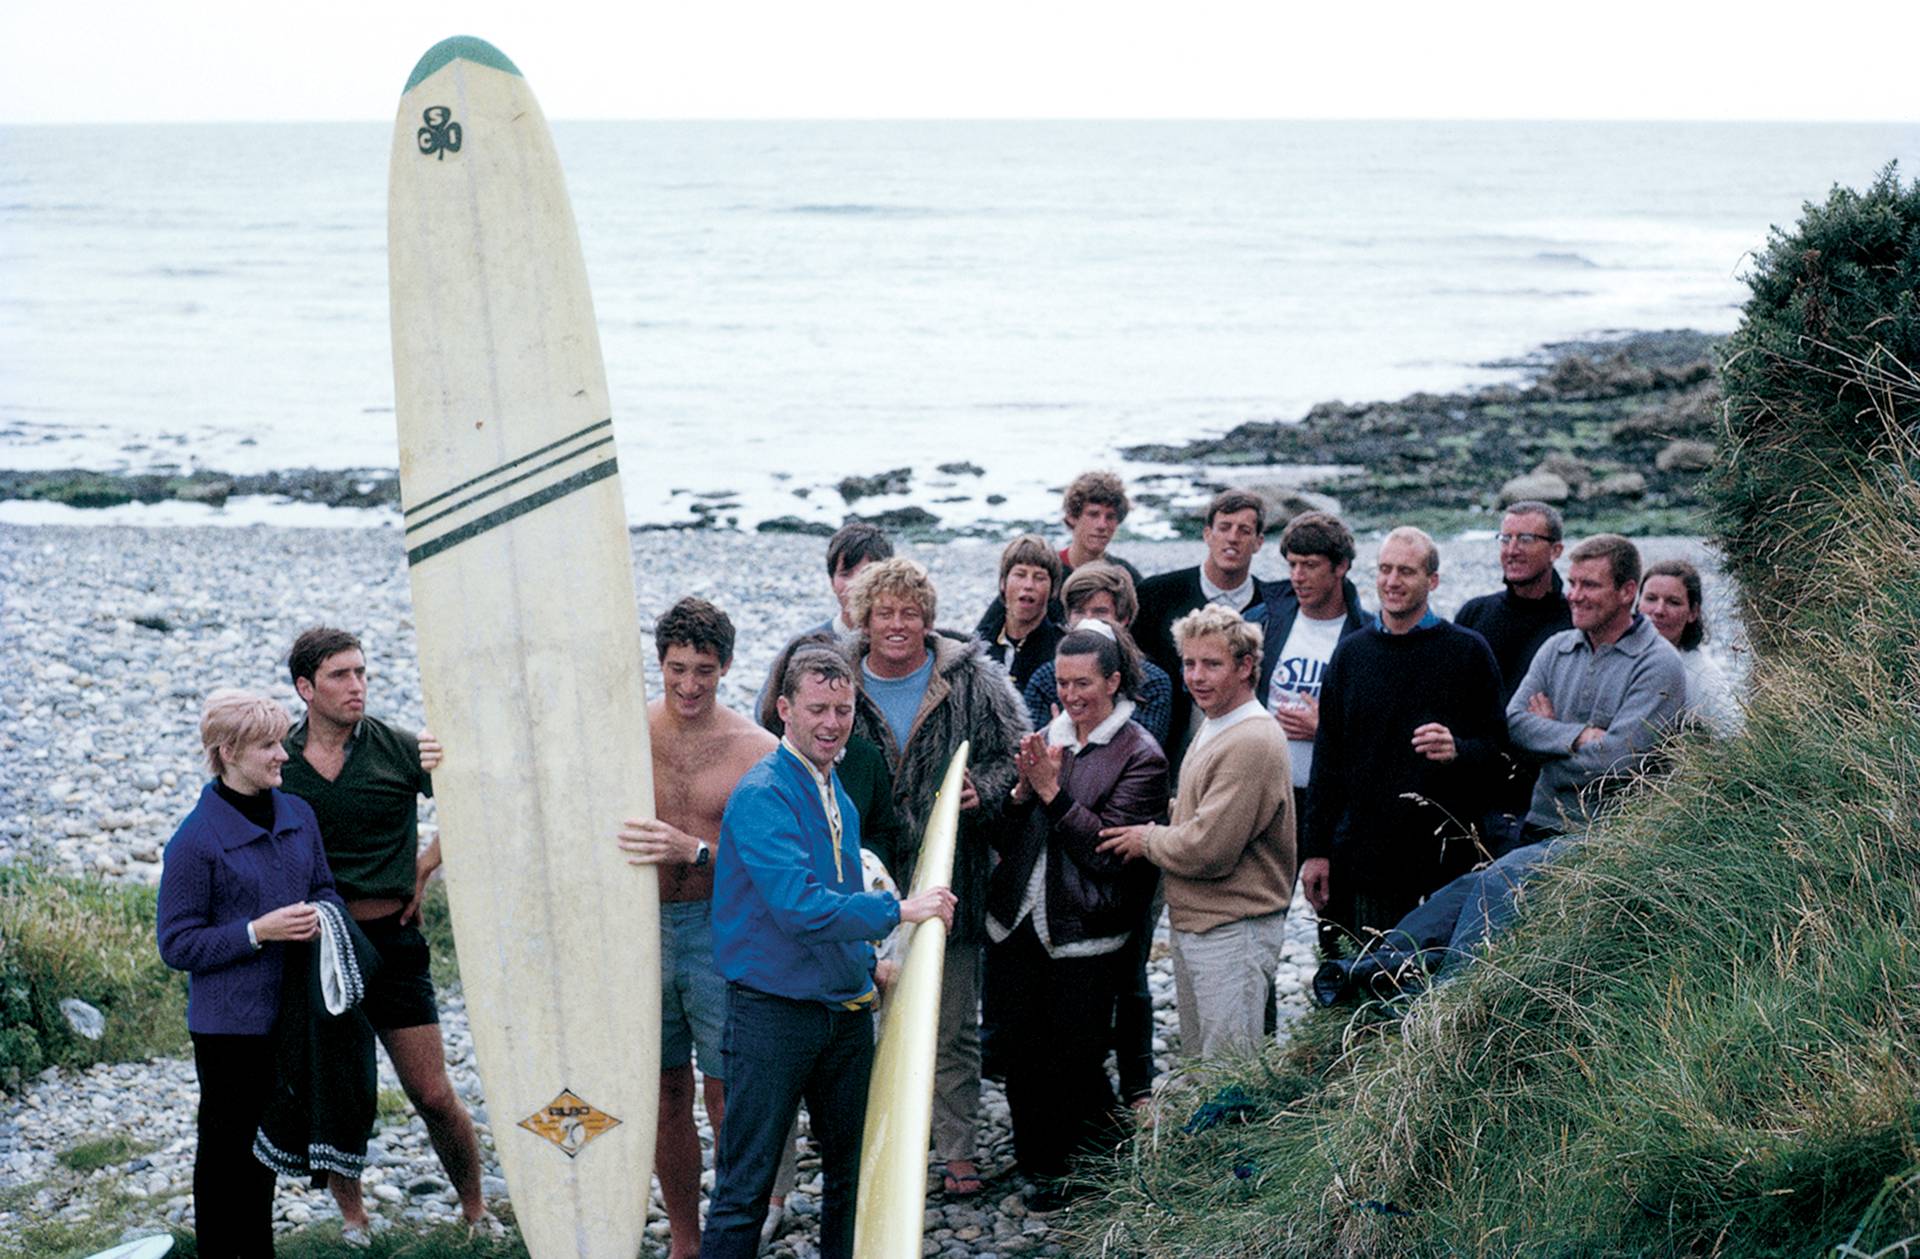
x=89, y=487
x=1597, y=416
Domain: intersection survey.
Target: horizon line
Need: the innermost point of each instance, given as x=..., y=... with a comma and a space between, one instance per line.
x=1587, y=120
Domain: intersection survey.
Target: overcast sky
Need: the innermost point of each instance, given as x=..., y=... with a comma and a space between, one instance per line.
x=137, y=60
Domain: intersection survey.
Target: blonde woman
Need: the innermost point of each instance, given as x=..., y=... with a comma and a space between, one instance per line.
x=241, y=877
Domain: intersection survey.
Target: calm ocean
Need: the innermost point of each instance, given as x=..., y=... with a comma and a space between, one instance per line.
x=782, y=304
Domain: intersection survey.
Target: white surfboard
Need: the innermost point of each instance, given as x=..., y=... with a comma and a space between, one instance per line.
x=530, y=648
x=156, y=1247
x=890, y=1211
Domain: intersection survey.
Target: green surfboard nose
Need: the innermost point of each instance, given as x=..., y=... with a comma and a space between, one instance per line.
x=466, y=47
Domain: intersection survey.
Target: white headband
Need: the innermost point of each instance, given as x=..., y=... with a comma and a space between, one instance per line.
x=1099, y=627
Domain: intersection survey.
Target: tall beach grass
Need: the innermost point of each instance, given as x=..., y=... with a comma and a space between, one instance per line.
x=1702, y=1035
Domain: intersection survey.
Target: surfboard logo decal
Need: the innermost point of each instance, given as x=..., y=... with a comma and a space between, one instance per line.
x=441, y=135
x=542, y=476
x=569, y=1123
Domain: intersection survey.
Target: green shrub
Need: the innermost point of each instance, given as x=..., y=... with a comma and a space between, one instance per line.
x=1818, y=380
x=392, y=1107
x=91, y=1156
x=88, y=939
x=436, y=923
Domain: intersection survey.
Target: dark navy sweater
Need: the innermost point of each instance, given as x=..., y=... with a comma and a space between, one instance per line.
x=1378, y=689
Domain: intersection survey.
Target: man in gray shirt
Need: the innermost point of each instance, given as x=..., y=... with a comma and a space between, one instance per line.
x=1597, y=697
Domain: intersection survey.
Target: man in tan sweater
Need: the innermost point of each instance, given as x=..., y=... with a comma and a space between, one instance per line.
x=1228, y=855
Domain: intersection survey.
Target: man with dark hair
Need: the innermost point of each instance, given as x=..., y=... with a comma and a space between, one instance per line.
x=700, y=752
x=364, y=780
x=1407, y=751
x=1597, y=697
x=1019, y=629
x=1532, y=607
x=792, y=924
x=1236, y=528
x=1307, y=616
x=849, y=551
x=1516, y=620
x=1093, y=509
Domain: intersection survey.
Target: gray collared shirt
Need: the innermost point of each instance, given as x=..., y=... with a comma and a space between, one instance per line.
x=1633, y=689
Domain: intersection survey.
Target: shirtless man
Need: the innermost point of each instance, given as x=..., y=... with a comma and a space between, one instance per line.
x=700, y=751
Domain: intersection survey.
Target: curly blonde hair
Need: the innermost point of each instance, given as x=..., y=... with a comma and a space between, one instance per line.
x=1243, y=637
x=898, y=577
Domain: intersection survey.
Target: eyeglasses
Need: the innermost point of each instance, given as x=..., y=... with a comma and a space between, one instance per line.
x=1522, y=539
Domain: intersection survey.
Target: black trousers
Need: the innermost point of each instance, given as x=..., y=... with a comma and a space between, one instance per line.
x=1058, y=1093
x=1133, y=1009
x=232, y=1190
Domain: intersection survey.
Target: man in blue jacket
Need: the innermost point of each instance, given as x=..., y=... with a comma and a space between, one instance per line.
x=791, y=933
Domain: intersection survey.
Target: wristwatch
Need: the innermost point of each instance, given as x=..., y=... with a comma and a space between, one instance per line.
x=702, y=854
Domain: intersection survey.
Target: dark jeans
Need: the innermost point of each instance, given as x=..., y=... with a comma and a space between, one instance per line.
x=1133, y=1009
x=232, y=1190
x=777, y=1052
x=1058, y=1094
x=1463, y=914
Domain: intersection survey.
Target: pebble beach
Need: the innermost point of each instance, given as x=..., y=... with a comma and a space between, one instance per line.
x=110, y=637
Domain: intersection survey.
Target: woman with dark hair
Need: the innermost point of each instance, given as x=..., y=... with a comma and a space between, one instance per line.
x=1670, y=598
x=240, y=881
x=1059, y=912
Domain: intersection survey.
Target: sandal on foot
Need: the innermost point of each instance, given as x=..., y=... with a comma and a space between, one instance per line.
x=775, y=1224
x=961, y=1184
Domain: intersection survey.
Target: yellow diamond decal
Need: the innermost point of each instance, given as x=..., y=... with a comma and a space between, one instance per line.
x=569, y=1122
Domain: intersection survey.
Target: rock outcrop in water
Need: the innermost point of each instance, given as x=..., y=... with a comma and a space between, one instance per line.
x=1610, y=429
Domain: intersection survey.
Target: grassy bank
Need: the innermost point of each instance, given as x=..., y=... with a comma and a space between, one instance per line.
x=1701, y=1038
x=93, y=941
x=1702, y=1035
x=86, y=940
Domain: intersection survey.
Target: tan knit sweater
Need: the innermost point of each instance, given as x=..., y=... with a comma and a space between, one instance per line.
x=1229, y=852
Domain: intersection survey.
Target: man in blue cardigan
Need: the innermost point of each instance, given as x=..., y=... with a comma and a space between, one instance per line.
x=792, y=933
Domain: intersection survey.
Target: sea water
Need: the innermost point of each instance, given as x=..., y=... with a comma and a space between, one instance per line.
x=784, y=304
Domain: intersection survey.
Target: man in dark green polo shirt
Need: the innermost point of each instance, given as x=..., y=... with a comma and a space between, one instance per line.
x=364, y=780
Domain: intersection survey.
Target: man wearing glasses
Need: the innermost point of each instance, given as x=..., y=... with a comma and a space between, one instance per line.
x=1517, y=620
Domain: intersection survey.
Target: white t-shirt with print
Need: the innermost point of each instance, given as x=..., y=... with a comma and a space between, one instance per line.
x=1303, y=664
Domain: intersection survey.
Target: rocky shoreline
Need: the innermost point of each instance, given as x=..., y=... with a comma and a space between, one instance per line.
x=1617, y=430
x=112, y=635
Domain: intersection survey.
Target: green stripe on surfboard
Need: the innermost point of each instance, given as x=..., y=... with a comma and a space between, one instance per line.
x=478, y=51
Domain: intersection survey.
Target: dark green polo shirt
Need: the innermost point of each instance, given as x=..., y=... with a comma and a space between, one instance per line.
x=369, y=816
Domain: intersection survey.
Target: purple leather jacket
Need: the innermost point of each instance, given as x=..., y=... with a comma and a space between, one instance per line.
x=1089, y=895
x=222, y=872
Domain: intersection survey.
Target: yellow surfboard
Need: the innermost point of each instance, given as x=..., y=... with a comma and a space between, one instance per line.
x=893, y=1152
x=530, y=650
